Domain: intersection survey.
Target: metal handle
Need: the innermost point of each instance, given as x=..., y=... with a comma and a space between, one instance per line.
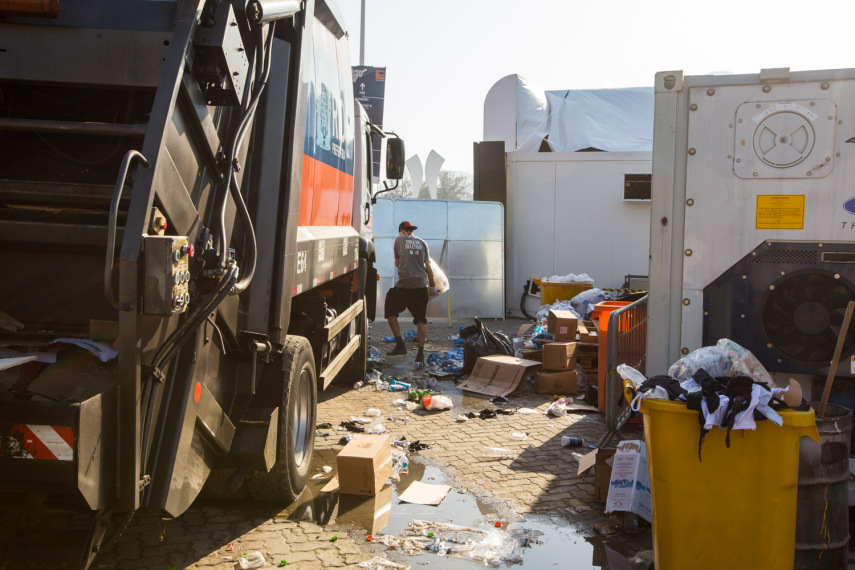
x=111, y=227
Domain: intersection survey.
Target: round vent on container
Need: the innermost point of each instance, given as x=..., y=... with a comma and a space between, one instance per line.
x=783, y=139
x=802, y=316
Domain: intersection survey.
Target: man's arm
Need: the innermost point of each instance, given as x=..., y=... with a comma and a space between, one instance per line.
x=429, y=272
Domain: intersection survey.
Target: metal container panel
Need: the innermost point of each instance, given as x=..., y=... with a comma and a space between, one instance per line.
x=465, y=238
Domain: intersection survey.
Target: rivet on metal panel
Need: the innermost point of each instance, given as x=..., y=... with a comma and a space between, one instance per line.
x=757, y=106
x=768, y=345
x=690, y=202
x=818, y=245
x=706, y=313
x=837, y=155
x=664, y=221
x=755, y=174
x=813, y=103
x=783, y=272
x=738, y=160
x=687, y=302
x=837, y=276
x=710, y=92
x=831, y=117
x=684, y=350
x=839, y=122
x=729, y=157
x=827, y=159
x=779, y=361
x=824, y=86
x=730, y=126
x=771, y=287
x=739, y=120
x=688, y=253
x=745, y=277
x=693, y=107
x=809, y=173
x=692, y=151
x=767, y=88
x=742, y=315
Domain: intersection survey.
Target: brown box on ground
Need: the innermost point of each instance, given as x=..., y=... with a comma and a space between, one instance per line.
x=559, y=356
x=370, y=513
x=562, y=325
x=601, y=461
x=364, y=465
x=556, y=382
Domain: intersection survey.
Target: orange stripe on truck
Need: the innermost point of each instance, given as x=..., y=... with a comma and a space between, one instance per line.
x=326, y=195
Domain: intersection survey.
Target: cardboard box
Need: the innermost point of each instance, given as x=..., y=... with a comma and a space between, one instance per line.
x=629, y=484
x=601, y=460
x=498, y=375
x=559, y=356
x=364, y=465
x=370, y=513
x=562, y=325
x=556, y=382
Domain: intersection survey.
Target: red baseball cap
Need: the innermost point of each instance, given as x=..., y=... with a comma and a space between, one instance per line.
x=407, y=226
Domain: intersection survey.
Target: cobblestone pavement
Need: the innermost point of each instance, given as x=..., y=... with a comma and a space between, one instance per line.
x=541, y=478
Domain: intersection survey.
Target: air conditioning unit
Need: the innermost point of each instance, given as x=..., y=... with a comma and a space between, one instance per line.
x=785, y=302
x=752, y=217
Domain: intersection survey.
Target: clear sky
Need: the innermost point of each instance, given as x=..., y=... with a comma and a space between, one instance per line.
x=442, y=56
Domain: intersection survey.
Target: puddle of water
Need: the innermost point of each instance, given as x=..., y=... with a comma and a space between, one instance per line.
x=560, y=543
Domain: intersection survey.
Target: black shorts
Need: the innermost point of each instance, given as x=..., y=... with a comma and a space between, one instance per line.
x=414, y=300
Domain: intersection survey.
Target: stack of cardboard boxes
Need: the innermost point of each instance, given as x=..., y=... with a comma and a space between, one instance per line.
x=559, y=357
x=364, y=466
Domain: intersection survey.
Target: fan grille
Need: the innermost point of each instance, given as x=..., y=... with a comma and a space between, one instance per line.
x=803, y=314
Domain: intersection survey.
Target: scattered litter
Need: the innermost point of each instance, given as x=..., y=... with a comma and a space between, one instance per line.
x=325, y=425
x=410, y=335
x=498, y=452
x=102, y=350
x=567, y=441
x=360, y=420
x=326, y=471
x=499, y=400
x=358, y=385
x=334, y=538
x=527, y=411
x=230, y=546
x=518, y=435
x=498, y=524
x=372, y=412
x=353, y=426
x=410, y=446
x=345, y=440
x=559, y=407
x=435, y=402
x=461, y=418
x=388, y=339
x=283, y=563
x=397, y=419
x=424, y=494
x=322, y=434
x=252, y=560
x=378, y=563
x=488, y=414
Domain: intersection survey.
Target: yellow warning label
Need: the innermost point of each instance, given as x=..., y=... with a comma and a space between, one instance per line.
x=776, y=212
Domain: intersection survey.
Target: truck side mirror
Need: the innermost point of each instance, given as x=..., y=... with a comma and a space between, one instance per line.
x=394, y=159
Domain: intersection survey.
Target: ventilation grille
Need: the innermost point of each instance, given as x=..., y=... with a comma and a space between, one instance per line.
x=803, y=314
x=778, y=256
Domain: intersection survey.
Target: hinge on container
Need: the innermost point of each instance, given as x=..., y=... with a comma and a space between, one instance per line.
x=145, y=482
x=151, y=370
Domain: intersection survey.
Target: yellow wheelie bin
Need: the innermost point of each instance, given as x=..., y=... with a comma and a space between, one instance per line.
x=729, y=507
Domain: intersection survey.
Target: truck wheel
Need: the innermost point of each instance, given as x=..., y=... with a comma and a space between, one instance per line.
x=295, y=372
x=355, y=368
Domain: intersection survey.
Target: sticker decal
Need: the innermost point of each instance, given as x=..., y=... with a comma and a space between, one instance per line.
x=322, y=244
x=301, y=262
x=849, y=205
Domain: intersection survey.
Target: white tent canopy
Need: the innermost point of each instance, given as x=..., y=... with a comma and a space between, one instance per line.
x=615, y=120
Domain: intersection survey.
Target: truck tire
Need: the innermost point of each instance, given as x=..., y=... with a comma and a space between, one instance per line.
x=294, y=371
x=355, y=368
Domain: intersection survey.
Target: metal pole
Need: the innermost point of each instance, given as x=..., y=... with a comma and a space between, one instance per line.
x=362, y=35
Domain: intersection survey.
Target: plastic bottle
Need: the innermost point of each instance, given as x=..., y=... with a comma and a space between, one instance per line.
x=358, y=385
x=572, y=441
x=381, y=386
x=252, y=560
x=498, y=452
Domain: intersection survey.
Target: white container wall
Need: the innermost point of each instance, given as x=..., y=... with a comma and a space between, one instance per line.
x=567, y=214
x=467, y=240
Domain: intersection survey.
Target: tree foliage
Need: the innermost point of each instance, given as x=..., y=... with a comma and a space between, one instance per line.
x=451, y=185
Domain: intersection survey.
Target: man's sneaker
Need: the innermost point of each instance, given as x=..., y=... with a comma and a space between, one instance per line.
x=400, y=348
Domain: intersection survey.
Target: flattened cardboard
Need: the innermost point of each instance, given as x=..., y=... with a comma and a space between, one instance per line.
x=601, y=460
x=424, y=493
x=559, y=356
x=364, y=465
x=562, y=325
x=498, y=375
x=562, y=383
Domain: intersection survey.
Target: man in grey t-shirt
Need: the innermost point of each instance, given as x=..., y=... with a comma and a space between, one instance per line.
x=411, y=290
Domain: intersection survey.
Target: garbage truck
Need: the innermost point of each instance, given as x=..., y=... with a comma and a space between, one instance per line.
x=185, y=212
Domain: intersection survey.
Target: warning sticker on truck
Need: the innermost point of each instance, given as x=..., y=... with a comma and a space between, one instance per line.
x=779, y=212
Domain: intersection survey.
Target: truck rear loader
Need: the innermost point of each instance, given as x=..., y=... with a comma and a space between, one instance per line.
x=185, y=202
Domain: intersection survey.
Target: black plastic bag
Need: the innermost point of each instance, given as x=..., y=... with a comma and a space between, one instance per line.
x=480, y=341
